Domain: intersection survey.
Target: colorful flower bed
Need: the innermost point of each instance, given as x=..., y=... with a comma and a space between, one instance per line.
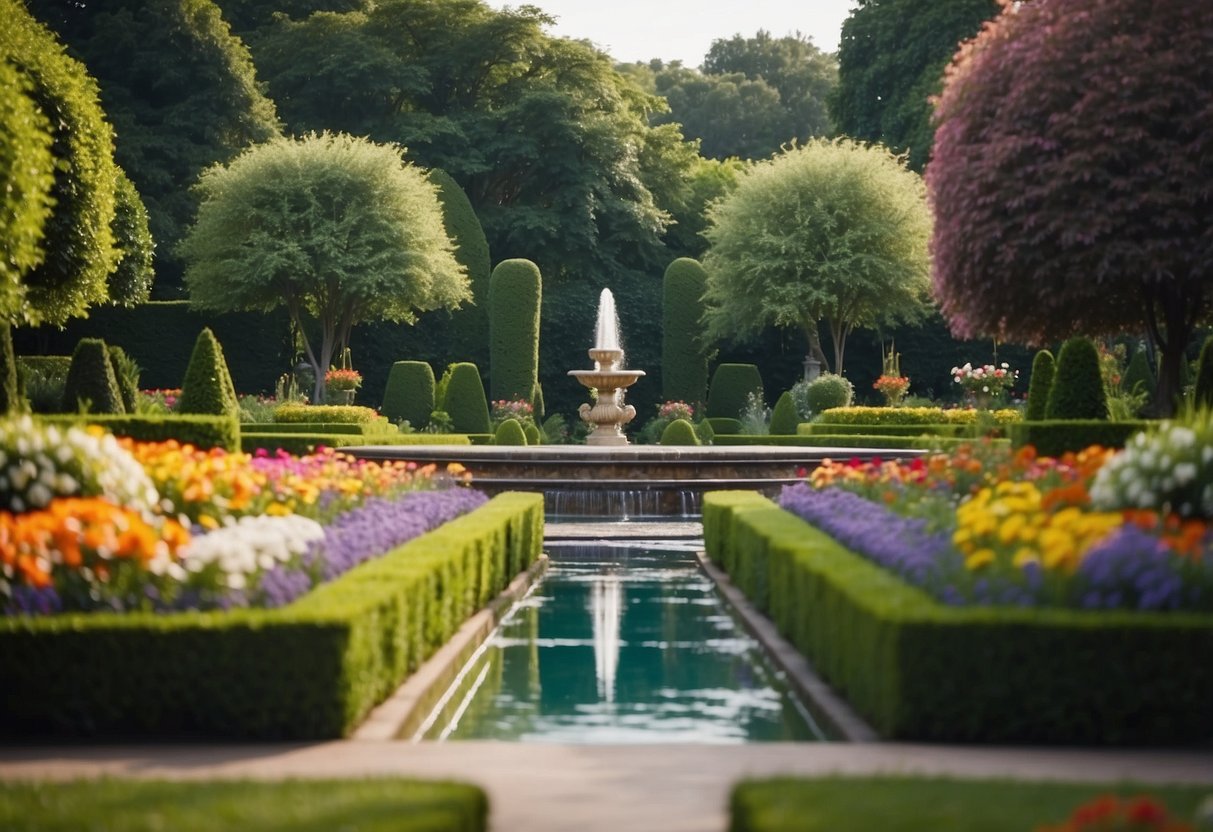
x=88, y=522
x=987, y=526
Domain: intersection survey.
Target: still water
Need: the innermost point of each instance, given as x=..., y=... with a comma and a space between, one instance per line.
x=621, y=644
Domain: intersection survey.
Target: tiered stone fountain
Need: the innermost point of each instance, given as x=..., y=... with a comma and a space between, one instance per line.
x=608, y=414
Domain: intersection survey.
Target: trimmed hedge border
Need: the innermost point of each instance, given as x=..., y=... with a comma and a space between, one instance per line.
x=922, y=443
x=1056, y=436
x=309, y=670
x=195, y=429
x=305, y=443
x=845, y=429
x=356, y=428
x=920, y=670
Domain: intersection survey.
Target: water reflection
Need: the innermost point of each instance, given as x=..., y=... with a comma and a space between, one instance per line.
x=621, y=645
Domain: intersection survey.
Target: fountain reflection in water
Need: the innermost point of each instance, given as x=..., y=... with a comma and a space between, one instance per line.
x=608, y=378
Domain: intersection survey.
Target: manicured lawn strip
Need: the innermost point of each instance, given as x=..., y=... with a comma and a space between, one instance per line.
x=372, y=805
x=917, y=669
x=310, y=670
x=910, y=804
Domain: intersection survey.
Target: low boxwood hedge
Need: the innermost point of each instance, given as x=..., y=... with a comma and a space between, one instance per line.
x=357, y=428
x=198, y=430
x=320, y=413
x=1055, y=437
x=845, y=429
x=309, y=670
x=306, y=443
x=920, y=670
x=924, y=443
x=913, y=416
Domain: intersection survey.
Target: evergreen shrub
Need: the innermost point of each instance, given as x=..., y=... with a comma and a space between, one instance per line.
x=465, y=401
x=679, y=432
x=126, y=373
x=510, y=432
x=1077, y=391
x=533, y=436
x=515, y=293
x=207, y=387
x=1139, y=378
x=784, y=418
x=201, y=431
x=684, y=364
x=90, y=380
x=469, y=325
x=1043, y=370
x=10, y=390
x=730, y=389
x=705, y=431
x=409, y=394
x=720, y=424
x=1054, y=437
x=829, y=390
x=294, y=412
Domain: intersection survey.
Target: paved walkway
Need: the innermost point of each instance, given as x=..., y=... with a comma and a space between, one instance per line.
x=537, y=787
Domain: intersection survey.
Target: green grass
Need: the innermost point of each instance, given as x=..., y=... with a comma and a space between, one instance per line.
x=910, y=804
x=373, y=805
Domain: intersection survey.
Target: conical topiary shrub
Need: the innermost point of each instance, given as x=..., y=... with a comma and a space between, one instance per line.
x=1043, y=368
x=90, y=380
x=126, y=373
x=731, y=384
x=784, y=419
x=409, y=393
x=207, y=387
x=1202, y=394
x=465, y=402
x=1077, y=391
x=679, y=432
x=509, y=432
x=1139, y=378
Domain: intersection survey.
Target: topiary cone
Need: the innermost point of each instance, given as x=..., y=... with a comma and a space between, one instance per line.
x=90, y=380
x=207, y=386
x=1077, y=391
x=1043, y=369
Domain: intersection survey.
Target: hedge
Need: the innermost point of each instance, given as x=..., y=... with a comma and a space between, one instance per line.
x=922, y=671
x=1043, y=368
x=731, y=385
x=409, y=394
x=195, y=429
x=355, y=428
x=847, y=429
x=306, y=443
x=1077, y=391
x=925, y=443
x=722, y=424
x=515, y=295
x=1054, y=437
x=309, y=670
x=913, y=416
x=207, y=386
x=784, y=418
x=464, y=400
x=466, y=329
x=319, y=413
x=90, y=381
x=684, y=363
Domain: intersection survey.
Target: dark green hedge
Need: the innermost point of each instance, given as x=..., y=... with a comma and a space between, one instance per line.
x=684, y=363
x=465, y=402
x=91, y=384
x=198, y=430
x=731, y=384
x=310, y=670
x=467, y=329
x=515, y=294
x=919, y=670
x=409, y=394
x=307, y=442
x=1077, y=391
x=784, y=418
x=52, y=366
x=1043, y=368
x=207, y=386
x=723, y=424
x=925, y=443
x=1055, y=437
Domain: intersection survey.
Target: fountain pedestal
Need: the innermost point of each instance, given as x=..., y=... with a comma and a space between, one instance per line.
x=607, y=414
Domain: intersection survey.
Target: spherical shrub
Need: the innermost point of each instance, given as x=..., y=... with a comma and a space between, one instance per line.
x=829, y=390
x=679, y=432
x=510, y=432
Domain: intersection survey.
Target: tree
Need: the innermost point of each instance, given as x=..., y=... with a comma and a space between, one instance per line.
x=831, y=230
x=332, y=227
x=131, y=281
x=730, y=114
x=1071, y=180
x=181, y=92
x=891, y=60
x=78, y=240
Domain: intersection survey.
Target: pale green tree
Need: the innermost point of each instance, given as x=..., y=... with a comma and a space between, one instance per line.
x=335, y=228
x=832, y=230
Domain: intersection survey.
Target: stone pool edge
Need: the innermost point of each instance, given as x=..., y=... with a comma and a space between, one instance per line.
x=413, y=700
x=839, y=717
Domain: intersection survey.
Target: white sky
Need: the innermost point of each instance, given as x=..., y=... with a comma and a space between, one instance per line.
x=638, y=30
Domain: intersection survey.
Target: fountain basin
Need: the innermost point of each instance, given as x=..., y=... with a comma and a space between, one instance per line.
x=604, y=380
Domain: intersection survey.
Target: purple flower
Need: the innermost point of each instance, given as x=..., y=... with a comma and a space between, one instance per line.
x=1132, y=568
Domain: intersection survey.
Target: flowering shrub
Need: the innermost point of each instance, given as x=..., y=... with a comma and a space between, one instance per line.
x=1113, y=814
x=1169, y=469
x=163, y=400
x=40, y=462
x=983, y=525
x=234, y=555
x=893, y=388
x=336, y=379
x=986, y=379
x=675, y=410
x=512, y=409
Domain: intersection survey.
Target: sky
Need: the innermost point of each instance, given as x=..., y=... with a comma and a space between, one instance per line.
x=639, y=30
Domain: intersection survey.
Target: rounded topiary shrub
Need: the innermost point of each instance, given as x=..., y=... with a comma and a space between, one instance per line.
x=684, y=363
x=532, y=434
x=679, y=432
x=1202, y=395
x=1043, y=368
x=828, y=390
x=731, y=386
x=510, y=432
x=90, y=380
x=207, y=387
x=465, y=402
x=514, y=299
x=1077, y=391
x=784, y=418
x=409, y=393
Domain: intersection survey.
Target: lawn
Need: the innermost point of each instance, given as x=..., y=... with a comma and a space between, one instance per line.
x=908, y=804
x=373, y=805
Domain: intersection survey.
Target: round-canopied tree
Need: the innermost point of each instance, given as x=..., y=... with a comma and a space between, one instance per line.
x=335, y=228
x=1071, y=180
x=831, y=230
x=26, y=176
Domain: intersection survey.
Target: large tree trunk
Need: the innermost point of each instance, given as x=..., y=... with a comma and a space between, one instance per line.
x=839, y=330
x=814, y=339
x=1166, y=304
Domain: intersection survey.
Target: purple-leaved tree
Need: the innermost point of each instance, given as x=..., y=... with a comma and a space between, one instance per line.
x=1072, y=177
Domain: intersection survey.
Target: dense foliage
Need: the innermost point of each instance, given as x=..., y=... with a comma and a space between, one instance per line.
x=207, y=386
x=26, y=175
x=1043, y=368
x=466, y=330
x=329, y=226
x=409, y=394
x=91, y=385
x=891, y=59
x=1077, y=391
x=830, y=230
x=1071, y=176
x=684, y=359
x=515, y=292
x=731, y=385
x=464, y=401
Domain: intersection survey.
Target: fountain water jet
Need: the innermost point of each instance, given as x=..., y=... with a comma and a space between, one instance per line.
x=608, y=414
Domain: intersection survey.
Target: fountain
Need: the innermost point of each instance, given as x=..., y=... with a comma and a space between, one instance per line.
x=608, y=414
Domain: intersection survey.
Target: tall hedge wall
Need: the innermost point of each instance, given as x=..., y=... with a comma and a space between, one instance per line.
x=684, y=363
x=515, y=293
